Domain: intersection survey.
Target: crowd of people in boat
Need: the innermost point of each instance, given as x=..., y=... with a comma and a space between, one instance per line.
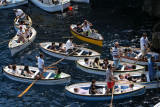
x=26, y=72
x=104, y=64
x=96, y=89
x=22, y=21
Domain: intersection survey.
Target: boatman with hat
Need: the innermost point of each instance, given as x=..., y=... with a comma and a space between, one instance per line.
x=144, y=45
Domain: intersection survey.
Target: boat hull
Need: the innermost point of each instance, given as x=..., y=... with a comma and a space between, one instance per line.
x=103, y=97
x=103, y=71
x=17, y=49
x=52, y=8
x=14, y=4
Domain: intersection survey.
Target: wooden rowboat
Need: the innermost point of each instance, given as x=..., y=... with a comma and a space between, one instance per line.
x=16, y=23
x=149, y=84
x=48, y=5
x=17, y=47
x=137, y=91
x=100, y=71
x=140, y=61
x=85, y=1
x=13, y=3
x=157, y=105
x=93, y=38
x=44, y=47
x=48, y=80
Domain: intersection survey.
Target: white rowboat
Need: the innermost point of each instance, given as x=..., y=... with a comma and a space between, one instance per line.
x=13, y=3
x=48, y=80
x=17, y=47
x=100, y=71
x=137, y=91
x=44, y=47
x=48, y=5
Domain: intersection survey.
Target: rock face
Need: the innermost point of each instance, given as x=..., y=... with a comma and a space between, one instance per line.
x=152, y=7
x=156, y=38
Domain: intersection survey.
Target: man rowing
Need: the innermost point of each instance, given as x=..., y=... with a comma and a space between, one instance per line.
x=19, y=15
x=86, y=27
x=20, y=34
x=144, y=45
x=69, y=45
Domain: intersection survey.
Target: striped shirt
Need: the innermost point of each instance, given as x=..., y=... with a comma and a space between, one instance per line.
x=115, y=53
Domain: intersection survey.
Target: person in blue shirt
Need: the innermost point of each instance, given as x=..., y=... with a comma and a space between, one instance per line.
x=152, y=68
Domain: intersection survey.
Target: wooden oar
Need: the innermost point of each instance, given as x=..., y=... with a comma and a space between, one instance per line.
x=45, y=71
x=5, y=41
x=111, y=105
x=139, y=58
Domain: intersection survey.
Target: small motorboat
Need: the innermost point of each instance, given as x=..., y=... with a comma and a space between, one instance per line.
x=85, y=1
x=137, y=59
x=16, y=47
x=81, y=52
x=48, y=80
x=28, y=23
x=48, y=5
x=121, y=91
x=13, y=3
x=149, y=84
x=93, y=38
x=101, y=71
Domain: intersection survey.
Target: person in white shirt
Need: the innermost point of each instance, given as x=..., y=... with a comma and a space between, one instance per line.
x=116, y=55
x=20, y=34
x=70, y=45
x=19, y=14
x=27, y=32
x=87, y=63
x=109, y=78
x=130, y=88
x=22, y=24
x=41, y=66
x=15, y=71
x=86, y=27
x=144, y=45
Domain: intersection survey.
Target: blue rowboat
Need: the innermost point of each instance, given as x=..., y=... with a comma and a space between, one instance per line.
x=119, y=94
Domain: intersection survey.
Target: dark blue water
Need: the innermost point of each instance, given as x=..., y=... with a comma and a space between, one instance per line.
x=117, y=21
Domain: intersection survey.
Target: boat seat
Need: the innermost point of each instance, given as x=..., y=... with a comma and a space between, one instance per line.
x=138, y=55
x=48, y=75
x=123, y=67
x=35, y=74
x=80, y=52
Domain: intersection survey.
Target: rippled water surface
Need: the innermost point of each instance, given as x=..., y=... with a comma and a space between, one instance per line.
x=116, y=21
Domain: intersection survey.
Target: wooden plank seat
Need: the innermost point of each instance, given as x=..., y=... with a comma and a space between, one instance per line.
x=80, y=52
x=48, y=75
x=138, y=55
x=35, y=74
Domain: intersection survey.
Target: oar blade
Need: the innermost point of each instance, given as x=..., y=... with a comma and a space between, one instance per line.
x=26, y=89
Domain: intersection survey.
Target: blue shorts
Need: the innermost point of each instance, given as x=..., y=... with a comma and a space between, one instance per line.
x=40, y=70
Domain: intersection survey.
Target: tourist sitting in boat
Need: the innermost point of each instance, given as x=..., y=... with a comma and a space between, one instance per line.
x=20, y=34
x=130, y=67
x=125, y=53
x=19, y=15
x=70, y=46
x=94, y=91
x=26, y=71
x=131, y=54
x=22, y=24
x=80, y=91
x=152, y=68
x=96, y=63
x=61, y=47
x=144, y=45
x=130, y=88
x=58, y=73
x=89, y=53
x=27, y=32
x=109, y=78
x=142, y=78
x=53, y=46
x=122, y=78
x=87, y=63
x=93, y=87
x=15, y=70
x=105, y=63
x=86, y=27
x=78, y=28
